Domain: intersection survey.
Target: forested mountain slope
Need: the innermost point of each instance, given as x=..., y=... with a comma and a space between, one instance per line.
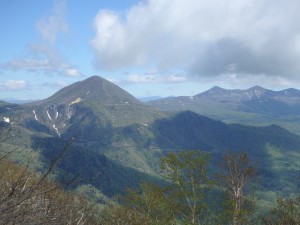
x=119, y=140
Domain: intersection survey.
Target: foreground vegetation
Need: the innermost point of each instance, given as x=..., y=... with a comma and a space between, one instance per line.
x=194, y=196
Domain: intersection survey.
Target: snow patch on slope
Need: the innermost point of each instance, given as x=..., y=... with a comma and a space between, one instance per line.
x=49, y=115
x=55, y=128
x=35, y=115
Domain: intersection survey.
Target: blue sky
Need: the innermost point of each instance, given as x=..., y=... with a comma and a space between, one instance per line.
x=154, y=47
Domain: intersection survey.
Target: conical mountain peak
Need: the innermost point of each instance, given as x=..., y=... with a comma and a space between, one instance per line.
x=216, y=89
x=258, y=92
x=257, y=87
x=92, y=89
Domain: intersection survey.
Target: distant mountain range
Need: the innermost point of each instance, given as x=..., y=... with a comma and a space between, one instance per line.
x=119, y=139
x=254, y=106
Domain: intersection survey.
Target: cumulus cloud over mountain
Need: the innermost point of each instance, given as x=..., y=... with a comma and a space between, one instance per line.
x=205, y=38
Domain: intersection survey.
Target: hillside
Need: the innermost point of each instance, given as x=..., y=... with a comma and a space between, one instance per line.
x=119, y=140
x=93, y=101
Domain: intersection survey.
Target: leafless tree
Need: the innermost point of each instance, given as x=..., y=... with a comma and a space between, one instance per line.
x=236, y=171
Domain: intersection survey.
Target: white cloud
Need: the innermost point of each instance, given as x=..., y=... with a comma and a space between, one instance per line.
x=13, y=85
x=49, y=27
x=151, y=78
x=133, y=78
x=72, y=72
x=112, y=37
x=55, y=85
x=27, y=64
x=205, y=38
x=43, y=57
x=176, y=79
x=43, y=64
